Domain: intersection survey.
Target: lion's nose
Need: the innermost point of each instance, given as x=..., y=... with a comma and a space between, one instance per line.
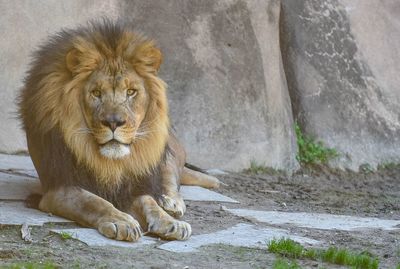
x=113, y=121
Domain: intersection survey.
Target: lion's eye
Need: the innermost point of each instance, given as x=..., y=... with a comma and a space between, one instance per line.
x=131, y=92
x=96, y=93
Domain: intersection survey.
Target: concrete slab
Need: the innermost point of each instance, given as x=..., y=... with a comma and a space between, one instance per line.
x=15, y=213
x=317, y=221
x=17, y=163
x=15, y=187
x=93, y=238
x=216, y=172
x=195, y=193
x=241, y=235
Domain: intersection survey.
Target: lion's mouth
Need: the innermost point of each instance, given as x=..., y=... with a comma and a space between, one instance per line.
x=114, y=141
x=114, y=149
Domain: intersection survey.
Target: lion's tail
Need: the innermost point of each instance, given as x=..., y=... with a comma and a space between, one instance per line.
x=193, y=175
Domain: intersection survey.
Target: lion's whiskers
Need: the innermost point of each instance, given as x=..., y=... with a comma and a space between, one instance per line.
x=146, y=124
x=140, y=138
x=141, y=135
x=83, y=131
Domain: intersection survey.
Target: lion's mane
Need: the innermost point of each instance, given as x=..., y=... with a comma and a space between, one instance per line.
x=49, y=101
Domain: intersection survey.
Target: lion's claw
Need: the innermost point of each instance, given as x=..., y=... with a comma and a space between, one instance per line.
x=174, y=207
x=125, y=229
x=173, y=230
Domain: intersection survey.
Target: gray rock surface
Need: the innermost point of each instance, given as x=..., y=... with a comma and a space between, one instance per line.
x=228, y=83
x=317, y=220
x=228, y=96
x=17, y=164
x=341, y=61
x=195, y=193
x=16, y=213
x=15, y=187
x=240, y=235
x=93, y=238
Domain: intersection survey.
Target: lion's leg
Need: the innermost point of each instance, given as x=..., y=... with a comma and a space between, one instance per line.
x=171, y=200
x=191, y=177
x=90, y=210
x=157, y=221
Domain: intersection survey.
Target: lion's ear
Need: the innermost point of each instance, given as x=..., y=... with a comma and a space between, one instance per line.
x=149, y=57
x=72, y=60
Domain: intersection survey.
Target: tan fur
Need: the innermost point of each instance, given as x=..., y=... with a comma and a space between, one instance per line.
x=91, y=211
x=158, y=222
x=190, y=177
x=75, y=82
x=66, y=112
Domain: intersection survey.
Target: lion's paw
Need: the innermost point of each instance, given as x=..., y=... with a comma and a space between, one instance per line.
x=171, y=230
x=173, y=206
x=124, y=229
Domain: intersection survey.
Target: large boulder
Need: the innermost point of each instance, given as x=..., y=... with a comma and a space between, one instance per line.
x=229, y=101
x=228, y=96
x=342, y=65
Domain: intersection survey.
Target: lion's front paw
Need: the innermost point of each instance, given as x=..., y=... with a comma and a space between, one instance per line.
x=174, y=206
x=171, y=230
x=124, y=228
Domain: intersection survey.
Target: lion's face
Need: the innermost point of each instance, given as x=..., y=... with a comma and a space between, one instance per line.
x=114, y=106
x=99, y=91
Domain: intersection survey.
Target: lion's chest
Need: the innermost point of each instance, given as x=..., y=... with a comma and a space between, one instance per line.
x=122, y=193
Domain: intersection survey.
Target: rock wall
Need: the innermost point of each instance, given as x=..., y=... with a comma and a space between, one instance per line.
x=228, y=95
x=229, y=100
x=342, y=66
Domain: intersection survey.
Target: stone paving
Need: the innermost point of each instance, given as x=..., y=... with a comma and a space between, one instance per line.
x=317, y=220
x=92, y=238
x=240, y=235
x=17, y=164
x=15, y=213
x=17, y=187
x=18, y=179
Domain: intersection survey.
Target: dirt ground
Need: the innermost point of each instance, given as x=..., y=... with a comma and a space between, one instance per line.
x=374, y=194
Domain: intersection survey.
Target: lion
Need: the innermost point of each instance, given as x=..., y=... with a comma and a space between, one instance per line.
x=96, y=118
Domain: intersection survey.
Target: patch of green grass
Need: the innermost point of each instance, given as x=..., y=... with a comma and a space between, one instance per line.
x=366, y=168
x=312, y=151
x=258, y=169
x=76, y=265
x=32, y=265
x=398, y=266
x=287, y=248
x=65, y=235
x=389, y=165
x=284, y=264
x=340, y=256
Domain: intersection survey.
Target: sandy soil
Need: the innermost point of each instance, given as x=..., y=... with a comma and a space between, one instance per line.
x=319, y=190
